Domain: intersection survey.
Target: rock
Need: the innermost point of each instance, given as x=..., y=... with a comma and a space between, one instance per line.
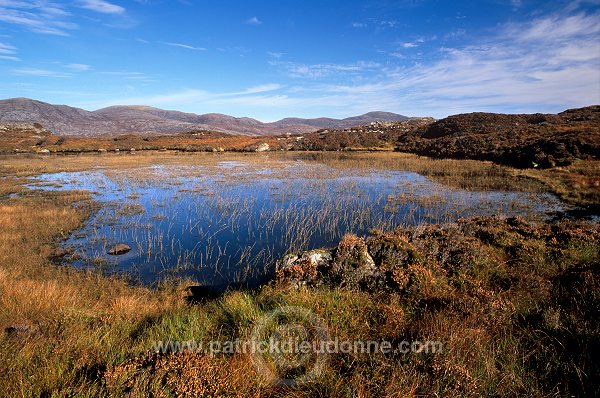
x=263, y=147
x=43, y=151
x=353, y=266
x=119, y=249
x=307, y=269
x=320, y=258
x=101, y=150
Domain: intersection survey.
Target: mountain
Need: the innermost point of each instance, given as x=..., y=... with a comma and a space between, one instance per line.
x=66, y=120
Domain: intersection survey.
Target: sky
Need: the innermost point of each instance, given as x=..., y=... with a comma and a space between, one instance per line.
x=273, y=59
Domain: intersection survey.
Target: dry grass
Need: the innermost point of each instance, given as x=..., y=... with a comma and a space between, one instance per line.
x=465, y=174
x=72, y=319
x=578, y=184
x=78, y=333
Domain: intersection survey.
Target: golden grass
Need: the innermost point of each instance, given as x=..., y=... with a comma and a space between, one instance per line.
x=60, y=307
x=82, y=334
x=465, y=174
x=577, y=184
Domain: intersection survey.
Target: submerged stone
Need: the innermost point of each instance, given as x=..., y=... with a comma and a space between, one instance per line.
x=119, y=249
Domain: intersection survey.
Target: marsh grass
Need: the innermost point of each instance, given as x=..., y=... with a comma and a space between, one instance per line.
x=515, y=321
x=227, y=219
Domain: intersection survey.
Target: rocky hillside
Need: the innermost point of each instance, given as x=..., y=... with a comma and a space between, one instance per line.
x=115, y=120
x=522, y=140
x=377, y=135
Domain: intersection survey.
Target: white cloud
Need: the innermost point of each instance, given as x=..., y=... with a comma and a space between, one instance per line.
x=253, y=21
x=186, y=46
x=191, y=96
x=78, y=67
x=10, y=57
x=37, y=16
x=359, y=25
x=389, y=24
x=7, y=49
x=556, y=27
x=263, y=88
x=37, y=72
x=135, y=76
x=546, y=65
x=101, y=6
x=276, y=55
x=323, y=70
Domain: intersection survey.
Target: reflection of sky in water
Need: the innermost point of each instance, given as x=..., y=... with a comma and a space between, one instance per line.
x=229, y=222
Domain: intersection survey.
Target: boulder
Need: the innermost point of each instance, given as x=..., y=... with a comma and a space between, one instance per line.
x=263, y=147
x=119, y=249
x=353, y=266
x=303, y=270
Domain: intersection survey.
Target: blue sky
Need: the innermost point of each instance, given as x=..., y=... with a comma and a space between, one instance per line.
x=272, y=59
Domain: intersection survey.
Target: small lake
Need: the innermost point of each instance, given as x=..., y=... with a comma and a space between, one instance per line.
x=230, y=217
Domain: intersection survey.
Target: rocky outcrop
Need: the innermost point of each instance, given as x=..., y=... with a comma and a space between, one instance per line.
x=431, y=260
x=350, y=265
x=376, y=135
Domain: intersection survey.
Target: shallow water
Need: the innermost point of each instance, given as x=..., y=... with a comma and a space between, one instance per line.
x=229, y=220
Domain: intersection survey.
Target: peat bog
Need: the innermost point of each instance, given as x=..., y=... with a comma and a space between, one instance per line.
x=227, y=219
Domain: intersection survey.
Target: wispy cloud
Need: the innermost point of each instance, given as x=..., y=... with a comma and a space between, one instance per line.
x=191, y=96
x=547, y=64
x=38, y=72
x=79, y=67
x=410, y=44
x=389, y=24
x=253, y=21
x=276, y=55
x=263, y=88
x=100, y=6
x=7, y=49
x=138, y=76
x=417, y=42
x=186, y=46
x=323, y=70
x=37, y=16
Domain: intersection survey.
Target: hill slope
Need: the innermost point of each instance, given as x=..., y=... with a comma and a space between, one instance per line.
x=66, y=120
x=520, y=140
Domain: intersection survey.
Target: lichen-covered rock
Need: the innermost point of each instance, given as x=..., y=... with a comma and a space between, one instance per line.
x=307, y=269
x=353, y=267
x=479, y=257
x=394, y=257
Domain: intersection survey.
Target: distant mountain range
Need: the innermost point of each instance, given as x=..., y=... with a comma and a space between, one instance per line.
x=135, y=119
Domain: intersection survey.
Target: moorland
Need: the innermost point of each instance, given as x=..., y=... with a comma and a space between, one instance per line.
x=479, y=231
